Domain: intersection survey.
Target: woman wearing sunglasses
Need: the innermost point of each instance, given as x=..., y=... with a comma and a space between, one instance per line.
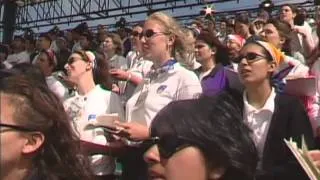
x=162, y=40
x=209, y=53
x=138, y=66
x=270, y=115
x=37, y=140
x=90, y=101
x=47, y=63
x=219, y=145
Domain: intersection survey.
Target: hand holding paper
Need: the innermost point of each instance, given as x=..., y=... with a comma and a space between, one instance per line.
x=302, y=155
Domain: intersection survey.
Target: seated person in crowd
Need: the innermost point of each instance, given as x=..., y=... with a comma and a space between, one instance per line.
x=47, y=62
x=20, y=55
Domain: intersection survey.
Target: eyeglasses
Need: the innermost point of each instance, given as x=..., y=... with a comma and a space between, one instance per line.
x=149, y=33
x=16, y=127
x=167, y=146
x=135, y=33
x=72, y=60
x=250, y=57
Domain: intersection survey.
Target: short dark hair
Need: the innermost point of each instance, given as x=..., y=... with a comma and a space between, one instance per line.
x=215, y=126
x=242, y=18
x=293, y=7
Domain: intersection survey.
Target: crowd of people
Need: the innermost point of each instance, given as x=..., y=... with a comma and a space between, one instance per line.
x=206, y=101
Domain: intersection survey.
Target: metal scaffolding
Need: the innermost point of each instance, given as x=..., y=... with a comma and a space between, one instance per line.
x=55, y=12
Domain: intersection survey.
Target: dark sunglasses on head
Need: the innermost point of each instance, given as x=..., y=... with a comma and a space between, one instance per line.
x=250, y=57
x=167, y=146
x=149, y=33
x=16, y=127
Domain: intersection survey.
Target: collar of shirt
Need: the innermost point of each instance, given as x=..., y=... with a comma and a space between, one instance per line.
x=168, y=67
x=268, y=106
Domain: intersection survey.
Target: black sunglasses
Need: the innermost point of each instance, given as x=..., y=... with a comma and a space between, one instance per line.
x=72, y=60
x=16, y=127
x=168, y=146
x=149, y=33
x=250, y=57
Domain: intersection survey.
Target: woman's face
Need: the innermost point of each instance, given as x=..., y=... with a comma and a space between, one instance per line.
x=76, y=67
x=44, y=65
x=233, y=48
x=108, y=45
x=155, y=41
x=187, y=164
x=286, y=14
x=254, y=68
x=203, y=52
x=11, y=141
x=241, y=29
x=271, y=35
x=84, y=42
x=135, y=38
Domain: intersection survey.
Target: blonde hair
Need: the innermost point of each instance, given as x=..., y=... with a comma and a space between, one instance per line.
x=181, y=48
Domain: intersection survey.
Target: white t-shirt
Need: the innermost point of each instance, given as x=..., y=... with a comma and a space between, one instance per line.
x=84, y=108
x=18, y=58
x=57, y=87
x=155, y=93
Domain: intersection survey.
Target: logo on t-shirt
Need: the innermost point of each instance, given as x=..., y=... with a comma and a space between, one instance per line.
x=161, y=88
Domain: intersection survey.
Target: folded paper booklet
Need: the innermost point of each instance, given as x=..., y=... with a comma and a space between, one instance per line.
x=105, y=121
x=303, y=158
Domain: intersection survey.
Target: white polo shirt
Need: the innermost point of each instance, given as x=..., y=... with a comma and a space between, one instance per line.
x=82, y=109
x=154, y=94
x=258, y=120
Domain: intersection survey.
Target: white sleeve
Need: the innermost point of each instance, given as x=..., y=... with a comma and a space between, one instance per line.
x=190, y=87
x=58, y=89
x=299, y=69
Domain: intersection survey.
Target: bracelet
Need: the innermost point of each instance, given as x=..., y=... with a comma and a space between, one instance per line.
x=129, y=77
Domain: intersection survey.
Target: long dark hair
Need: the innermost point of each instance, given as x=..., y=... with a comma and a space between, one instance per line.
x=37, y=108
x=101, y=73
